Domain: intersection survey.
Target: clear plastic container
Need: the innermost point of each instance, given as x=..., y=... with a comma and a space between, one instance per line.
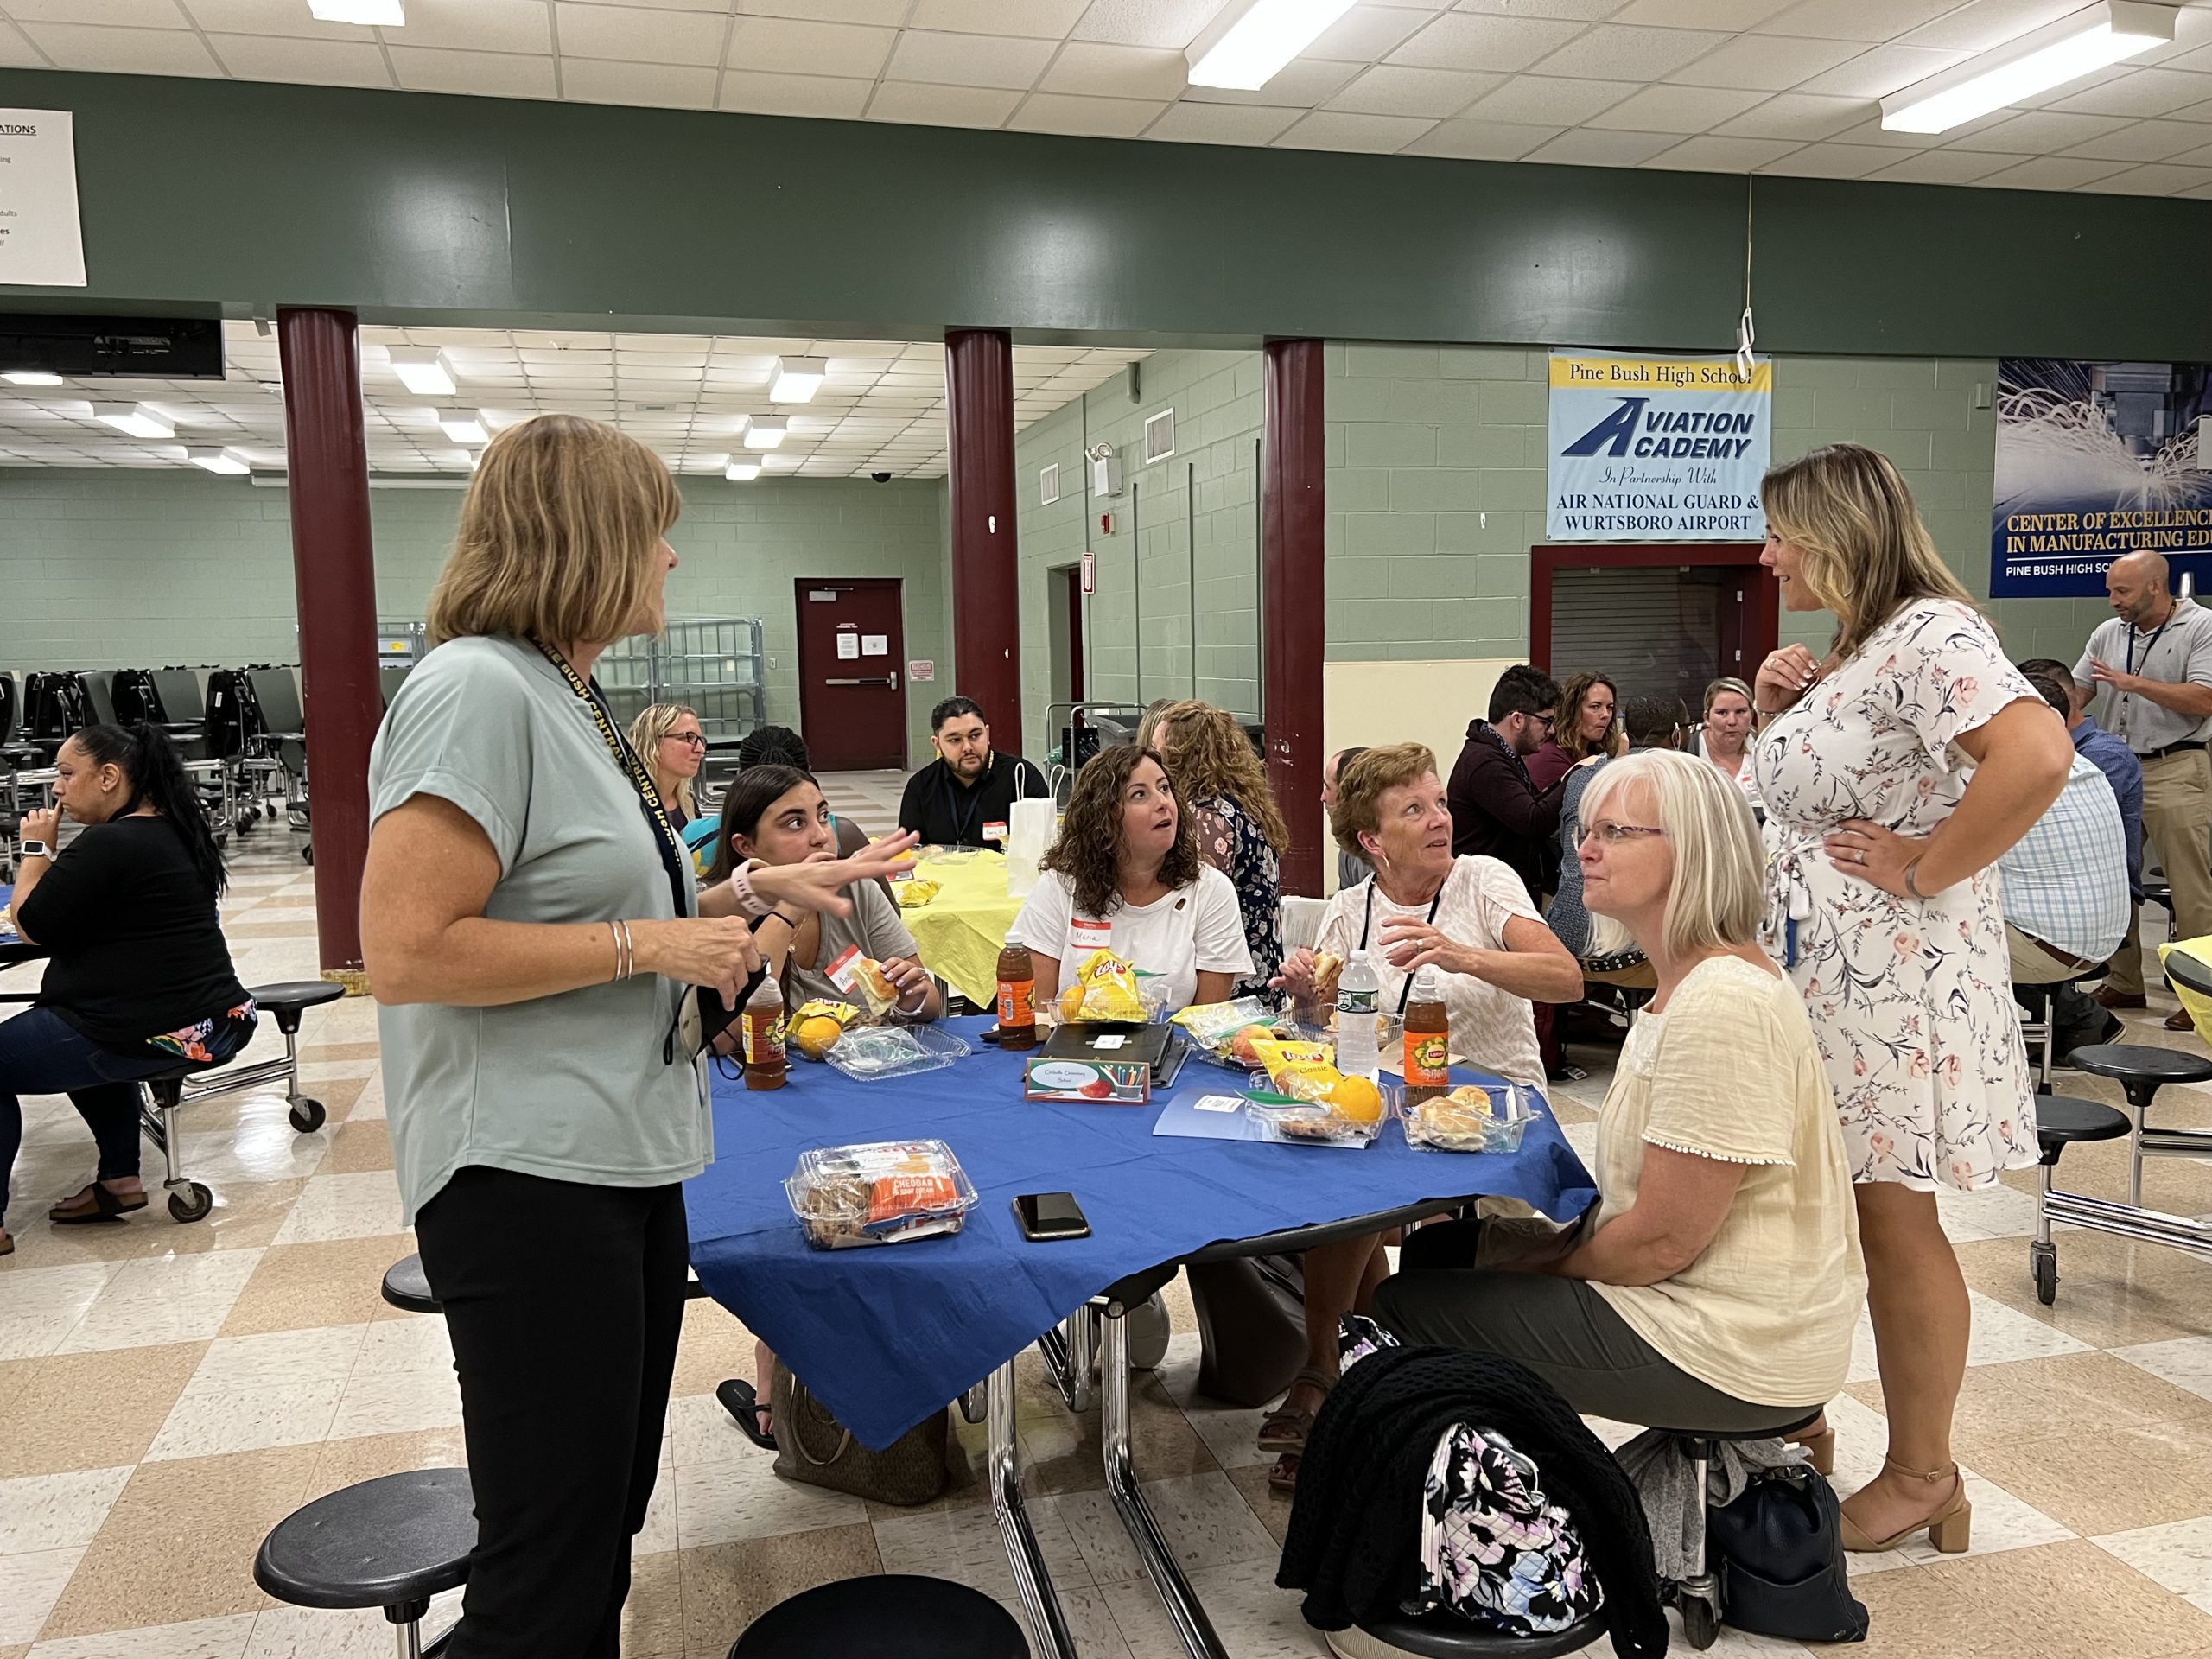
x=1472, y=1118
x=1213, y=1027
x=882, y=1192
x=1312, y=1122
x=871, y=1053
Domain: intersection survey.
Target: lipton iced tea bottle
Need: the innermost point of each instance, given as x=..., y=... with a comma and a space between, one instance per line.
x=1017, y=997
x=1428, y=1039
x=765, y=1064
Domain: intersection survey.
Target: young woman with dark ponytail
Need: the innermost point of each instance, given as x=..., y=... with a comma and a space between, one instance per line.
x=138, y=980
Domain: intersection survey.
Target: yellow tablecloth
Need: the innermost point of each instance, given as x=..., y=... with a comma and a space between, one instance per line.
x=962, y=931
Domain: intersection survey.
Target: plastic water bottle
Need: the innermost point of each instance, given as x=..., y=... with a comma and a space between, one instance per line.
x=1359, y=991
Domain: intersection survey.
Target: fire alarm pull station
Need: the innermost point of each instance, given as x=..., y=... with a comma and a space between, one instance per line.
x=1105, y=524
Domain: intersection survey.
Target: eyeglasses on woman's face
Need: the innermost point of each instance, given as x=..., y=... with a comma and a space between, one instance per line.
x=689, y=740
x=1609, y=835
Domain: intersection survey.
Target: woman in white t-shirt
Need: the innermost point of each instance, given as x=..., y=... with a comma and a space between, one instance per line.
x=1725, y=733
x=1126, y=876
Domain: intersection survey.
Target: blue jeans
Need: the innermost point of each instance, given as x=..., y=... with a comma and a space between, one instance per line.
x=41, y=1053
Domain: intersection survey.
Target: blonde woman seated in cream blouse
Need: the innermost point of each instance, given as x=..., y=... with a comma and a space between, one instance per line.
x=1716, y=1281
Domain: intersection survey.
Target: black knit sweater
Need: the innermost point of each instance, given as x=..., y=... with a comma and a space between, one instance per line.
x=1354, y=1543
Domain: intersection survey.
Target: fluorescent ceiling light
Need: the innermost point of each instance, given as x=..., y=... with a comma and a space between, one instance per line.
x=743, y=468
x=462, y=425
x=137, y=419
x=424, y=371
x=370, y=14
x=30, y=378
x=218, y=461
x=1253, y=49
x=766, y=431
x=2075, y=45
x=796, y=379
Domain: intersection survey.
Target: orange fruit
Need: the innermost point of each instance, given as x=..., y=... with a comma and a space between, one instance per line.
x=1357, y=1099
x=1241, y=1043
x=816, y=1035
x=1072, y=1001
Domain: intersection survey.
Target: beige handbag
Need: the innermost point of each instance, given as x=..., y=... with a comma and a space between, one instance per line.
x=813, y=1446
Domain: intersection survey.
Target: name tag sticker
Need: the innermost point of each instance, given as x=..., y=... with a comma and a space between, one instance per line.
x=1090, y=936
x=1219, y=1104
x=994, y=832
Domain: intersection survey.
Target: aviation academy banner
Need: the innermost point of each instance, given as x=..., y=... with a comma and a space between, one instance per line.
x=1646, y=449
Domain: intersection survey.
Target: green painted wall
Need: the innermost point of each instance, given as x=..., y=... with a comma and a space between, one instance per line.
x=1195, y=514
x=419, y=208
x=103, y=567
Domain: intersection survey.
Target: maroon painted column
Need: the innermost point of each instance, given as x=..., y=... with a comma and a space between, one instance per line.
x=334, y=574
x=1293, y=614
x=986, y=589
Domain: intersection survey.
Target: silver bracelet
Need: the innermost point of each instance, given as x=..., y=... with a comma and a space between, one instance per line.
x=625, y=954
x=1911, y=886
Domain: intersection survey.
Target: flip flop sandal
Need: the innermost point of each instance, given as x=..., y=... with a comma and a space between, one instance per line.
x=7, y=1245
x=1283, y=1478
x=739, y=1399
x=1285, y=1429
x=106, y=1206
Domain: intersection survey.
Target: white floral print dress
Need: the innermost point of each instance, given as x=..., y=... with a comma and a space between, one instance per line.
x=1911, y=1001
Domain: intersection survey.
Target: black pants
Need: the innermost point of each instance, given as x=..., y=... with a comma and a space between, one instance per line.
x=41, y=1053
x=565, y=1302
x=1561, y=1328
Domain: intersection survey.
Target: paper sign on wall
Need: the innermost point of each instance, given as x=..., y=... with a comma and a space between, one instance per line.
x=848, y=646
x=875, y=644
x=42, y=237
x=1666, y=449
x=921, y=668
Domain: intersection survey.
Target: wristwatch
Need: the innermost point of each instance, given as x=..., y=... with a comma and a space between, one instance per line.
x=32, y=849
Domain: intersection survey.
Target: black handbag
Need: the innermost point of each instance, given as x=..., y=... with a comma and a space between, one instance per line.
x=1779, y=1548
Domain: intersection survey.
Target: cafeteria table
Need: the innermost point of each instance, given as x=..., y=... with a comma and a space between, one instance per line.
x=884, y=1337
x=962, y=931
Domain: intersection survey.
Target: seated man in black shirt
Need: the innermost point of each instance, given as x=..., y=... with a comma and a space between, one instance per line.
x=964, y=797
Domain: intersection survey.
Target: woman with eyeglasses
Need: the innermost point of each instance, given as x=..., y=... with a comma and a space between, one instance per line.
x=1471, y=919
x=667, y=738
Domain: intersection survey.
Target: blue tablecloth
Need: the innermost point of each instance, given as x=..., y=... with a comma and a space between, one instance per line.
x=885, y=1335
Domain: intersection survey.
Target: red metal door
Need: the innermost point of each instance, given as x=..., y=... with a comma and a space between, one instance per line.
x=852, y=659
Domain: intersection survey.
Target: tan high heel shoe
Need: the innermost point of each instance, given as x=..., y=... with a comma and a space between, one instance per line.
x=1949, y=1528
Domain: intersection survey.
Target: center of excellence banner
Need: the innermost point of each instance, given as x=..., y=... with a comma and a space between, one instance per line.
x=1657, y=449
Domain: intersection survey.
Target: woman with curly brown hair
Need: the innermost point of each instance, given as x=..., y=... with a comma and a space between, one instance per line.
x=1125, y=875
x=1587, y=724
x=1223, y=788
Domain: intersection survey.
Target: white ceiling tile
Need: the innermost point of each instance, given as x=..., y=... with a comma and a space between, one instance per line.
x=1797, y=115
x=1221, y=123
x=1585, y=147
x=1981, y=24
x=1882, y=70
x=2053, y=173
x=1581, y=11
x=1304, y=84
x=1366, y=32
x=1764, y=62
x=662, y=86
x=782, y=45
x=921, y=104
x=2039, y=132
x=1833, y=161
x=1943, y=167
x=2194, y=157
x=1095, y=69
x=478, y=25
x=2194, y=112
x=1619, y=53
x=1677, y=109
x=1375, y=134
x=2154, y=181
x=1144, y=22
x=1871, y=132
x=2146, y=140
x=1460, y=39
x=2144, y=91
x=1541, y=100
x=271, y=17
x=1857, y=20
x=884, y=13
x=1700, y=14
x=1480, y=140
x=969, y=60
x=636, y=34
x=124, y=51
x=312, y=63
x=1087, y=117
x=1708, y=153
x=1047, y=19
x=15, y=50
x=812, y=95
x=119, y=13
x=1396, y=89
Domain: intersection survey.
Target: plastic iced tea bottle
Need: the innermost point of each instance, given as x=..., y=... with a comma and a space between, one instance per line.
x=765, y=1066
x=1428, y=1039
x=1017, y=997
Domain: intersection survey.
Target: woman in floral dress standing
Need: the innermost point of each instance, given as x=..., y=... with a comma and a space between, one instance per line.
x=1894, y=772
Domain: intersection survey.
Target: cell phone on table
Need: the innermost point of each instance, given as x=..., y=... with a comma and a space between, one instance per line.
x=1051, y=1215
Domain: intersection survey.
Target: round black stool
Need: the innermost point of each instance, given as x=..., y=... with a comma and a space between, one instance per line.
x=2140, y=1072
x=407, y=1286
x=2061, y=1120
x=897, y=1616
x=1446, y=1637
x=392, y=1542
x=288, y=1001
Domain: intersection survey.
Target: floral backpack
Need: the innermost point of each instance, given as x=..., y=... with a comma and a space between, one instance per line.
x=1493, y=1548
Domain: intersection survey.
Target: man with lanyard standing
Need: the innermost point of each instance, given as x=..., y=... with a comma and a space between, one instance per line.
x=2152, y=668
x=965, y=796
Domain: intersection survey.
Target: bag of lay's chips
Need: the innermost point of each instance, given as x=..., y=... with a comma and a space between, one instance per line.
x=1301, y=1071
x=1108, y=992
